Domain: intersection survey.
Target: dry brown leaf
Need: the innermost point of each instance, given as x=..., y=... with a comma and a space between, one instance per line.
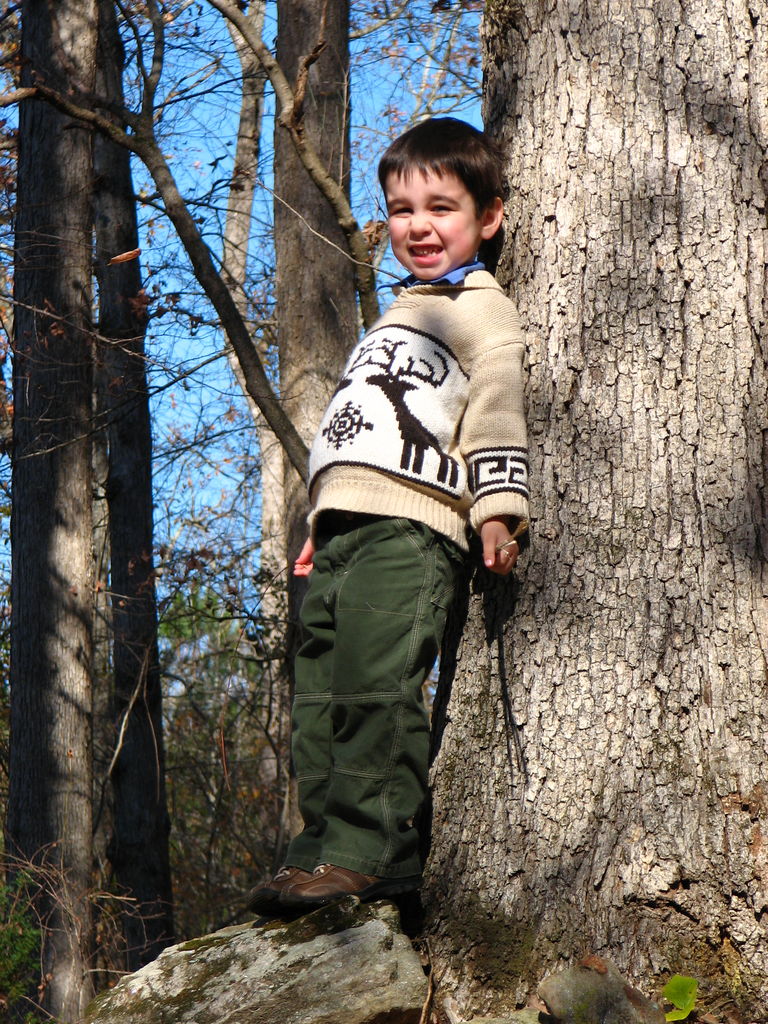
x=124, y=257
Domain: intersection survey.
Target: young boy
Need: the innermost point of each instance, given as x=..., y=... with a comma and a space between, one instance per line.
x=424, y=438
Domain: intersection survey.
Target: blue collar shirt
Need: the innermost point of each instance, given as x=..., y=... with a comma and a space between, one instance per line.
x=452, y=277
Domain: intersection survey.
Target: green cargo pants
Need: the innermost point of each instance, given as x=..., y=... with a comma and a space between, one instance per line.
x=373, y=616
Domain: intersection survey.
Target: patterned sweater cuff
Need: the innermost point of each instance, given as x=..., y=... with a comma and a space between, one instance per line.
x=507, y=503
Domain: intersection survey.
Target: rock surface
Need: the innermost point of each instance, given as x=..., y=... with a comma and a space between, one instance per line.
x=515, y=1017
x=344, y=964
x=593, y=992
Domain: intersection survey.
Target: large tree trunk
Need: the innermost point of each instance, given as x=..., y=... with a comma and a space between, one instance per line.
x=49, y=807
x=138, y=849
x=630, y=821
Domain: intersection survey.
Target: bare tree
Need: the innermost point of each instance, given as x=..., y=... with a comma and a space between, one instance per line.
x=138, y=850
x=49, y=808
x=616, y=721
x=318, y=222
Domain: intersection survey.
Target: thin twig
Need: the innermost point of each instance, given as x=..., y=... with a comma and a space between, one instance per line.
x=318, y=234
x=427, y=1007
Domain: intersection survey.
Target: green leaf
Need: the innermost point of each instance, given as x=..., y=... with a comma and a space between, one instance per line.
x=681, y=992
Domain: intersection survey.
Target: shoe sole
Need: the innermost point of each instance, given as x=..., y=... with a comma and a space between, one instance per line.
x=376, y=891
x=266, y=898
x=265, y=903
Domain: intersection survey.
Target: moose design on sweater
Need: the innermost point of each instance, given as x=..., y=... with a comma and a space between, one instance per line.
x=396, y=409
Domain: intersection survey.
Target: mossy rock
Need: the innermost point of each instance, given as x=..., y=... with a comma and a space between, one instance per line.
x=345, y=964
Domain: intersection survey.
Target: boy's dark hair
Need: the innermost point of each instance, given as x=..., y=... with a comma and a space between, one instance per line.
x=445, y=145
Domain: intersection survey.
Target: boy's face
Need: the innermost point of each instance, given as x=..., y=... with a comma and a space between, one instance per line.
x=433, y=224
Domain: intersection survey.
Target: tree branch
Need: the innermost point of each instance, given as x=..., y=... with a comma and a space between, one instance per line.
x=289, y=117
x=297, y=112
x=302, y=79
x=158, y=48
x=7, y=99
x=143, y=143
x=224, y=303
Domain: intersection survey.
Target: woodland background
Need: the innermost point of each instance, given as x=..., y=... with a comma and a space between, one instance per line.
x=599, y=757
x=194, y=513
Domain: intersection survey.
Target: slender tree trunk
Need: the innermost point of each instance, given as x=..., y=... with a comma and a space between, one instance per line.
x=49, y=807
x=237, y=226
x=138, y=849
x=316, y=306
x=237, y=239
x=101, y=679
x=315, y=288
x=627, y=814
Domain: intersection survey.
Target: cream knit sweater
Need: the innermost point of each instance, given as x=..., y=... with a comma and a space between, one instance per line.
x=428, y=419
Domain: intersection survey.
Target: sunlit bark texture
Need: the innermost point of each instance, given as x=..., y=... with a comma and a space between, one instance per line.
x=619, y=807
x=49, y=808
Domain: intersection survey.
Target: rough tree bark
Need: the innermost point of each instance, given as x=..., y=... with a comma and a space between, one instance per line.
x=49, y=807
x=619, y=807
x=138, y=848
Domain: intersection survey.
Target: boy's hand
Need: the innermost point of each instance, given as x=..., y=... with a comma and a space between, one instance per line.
x=304, y=563
x=500, y=547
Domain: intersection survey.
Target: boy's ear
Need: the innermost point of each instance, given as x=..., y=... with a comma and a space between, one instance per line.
x=490, y=220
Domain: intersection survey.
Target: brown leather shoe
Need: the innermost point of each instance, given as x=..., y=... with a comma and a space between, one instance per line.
x=328, y=883
x=265, y=898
